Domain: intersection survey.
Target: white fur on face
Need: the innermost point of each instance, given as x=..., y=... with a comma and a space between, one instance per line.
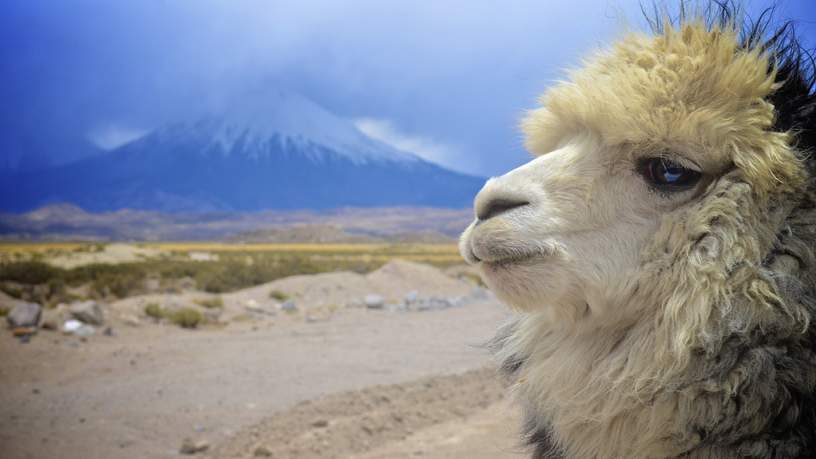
x=574, y=250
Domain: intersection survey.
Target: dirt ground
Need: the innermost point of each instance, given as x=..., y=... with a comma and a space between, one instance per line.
x=362, y=384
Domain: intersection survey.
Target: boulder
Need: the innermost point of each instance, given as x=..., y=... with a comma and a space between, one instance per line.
x=373, y=301
x=89, y=312
x=24, y=314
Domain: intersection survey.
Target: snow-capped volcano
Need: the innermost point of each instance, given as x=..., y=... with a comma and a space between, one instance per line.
x=272, y=120
x=274, y=150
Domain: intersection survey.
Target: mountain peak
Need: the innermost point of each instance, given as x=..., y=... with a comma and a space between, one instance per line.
x=286, y=119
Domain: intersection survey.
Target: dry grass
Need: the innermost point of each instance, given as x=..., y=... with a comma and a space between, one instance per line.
x=26, y=265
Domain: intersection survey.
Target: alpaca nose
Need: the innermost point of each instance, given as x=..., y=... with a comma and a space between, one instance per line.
x=495, y=206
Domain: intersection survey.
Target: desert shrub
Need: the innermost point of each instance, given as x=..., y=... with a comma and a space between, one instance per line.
x=210, y=303
x=4, y=310
x=28, y=272
x=186, y=318
x=278, y=295
x=154, y=310
x=12, y=290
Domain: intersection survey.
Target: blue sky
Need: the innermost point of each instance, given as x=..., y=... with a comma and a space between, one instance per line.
x=447, y=79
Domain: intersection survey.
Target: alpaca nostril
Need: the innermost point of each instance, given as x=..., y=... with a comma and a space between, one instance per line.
x=498, y=206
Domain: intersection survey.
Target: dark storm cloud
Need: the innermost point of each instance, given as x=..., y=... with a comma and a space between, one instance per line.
x=453, y=76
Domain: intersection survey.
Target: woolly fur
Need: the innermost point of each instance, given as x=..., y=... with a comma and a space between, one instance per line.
x=709, y=350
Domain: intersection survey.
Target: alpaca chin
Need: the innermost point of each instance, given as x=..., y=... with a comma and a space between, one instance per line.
x=537, y=286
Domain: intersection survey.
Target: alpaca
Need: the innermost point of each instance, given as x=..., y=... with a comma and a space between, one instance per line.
x=659, y=249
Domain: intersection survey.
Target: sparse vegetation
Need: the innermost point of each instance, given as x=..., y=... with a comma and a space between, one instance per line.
x=154, y=310
x=278, y=295
x=186, y=318
x=237, y=266
x=4, y=310
x=210, y=303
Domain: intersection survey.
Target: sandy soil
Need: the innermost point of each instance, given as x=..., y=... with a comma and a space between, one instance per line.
x=140, y=393
x=110, y=254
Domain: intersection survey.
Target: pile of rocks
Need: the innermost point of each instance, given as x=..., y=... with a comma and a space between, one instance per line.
x=25, y=319
x=413, y=301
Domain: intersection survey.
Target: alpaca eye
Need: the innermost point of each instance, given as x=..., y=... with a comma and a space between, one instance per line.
x=667, y=175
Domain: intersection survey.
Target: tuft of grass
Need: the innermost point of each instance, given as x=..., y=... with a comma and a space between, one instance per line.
x=186, y=318
x=210, y=303
x=278, y=295
x=154, y=310
x=4, y=310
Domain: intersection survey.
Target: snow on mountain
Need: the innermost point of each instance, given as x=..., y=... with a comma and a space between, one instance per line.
x=286, y=120
x=277, y=150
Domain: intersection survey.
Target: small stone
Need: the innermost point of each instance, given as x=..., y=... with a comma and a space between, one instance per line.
x=262, y=451
x=320, y=423
x=49, y=325
x=288, y=306
x=188, y=446
x=24, y=315
x=109, y=331
x=374, y=301
x=89, y=312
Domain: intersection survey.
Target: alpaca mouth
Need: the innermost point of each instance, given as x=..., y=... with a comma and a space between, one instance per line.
x=501, y=256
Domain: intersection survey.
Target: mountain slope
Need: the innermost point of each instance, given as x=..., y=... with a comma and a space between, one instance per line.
x=282, y=152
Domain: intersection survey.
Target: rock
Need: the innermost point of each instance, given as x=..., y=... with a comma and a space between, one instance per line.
x=188, y=446
x=262, y=451
x=84, y=331
x=24, y=315
x=89, y=312
x=374, y=301
x=77, y=328
x=433, y=303
x=320, y=423
x=23, y=331
x=411, y=297
x=478, y=294
x=109, y=331
x=288, y=306
x=52, y=318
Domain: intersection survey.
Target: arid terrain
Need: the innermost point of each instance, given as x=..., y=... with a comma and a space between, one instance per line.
x=386, y=361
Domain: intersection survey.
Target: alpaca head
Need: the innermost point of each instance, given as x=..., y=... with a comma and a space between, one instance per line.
x=665, y=171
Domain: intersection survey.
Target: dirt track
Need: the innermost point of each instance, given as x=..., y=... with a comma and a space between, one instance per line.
x=139, y=394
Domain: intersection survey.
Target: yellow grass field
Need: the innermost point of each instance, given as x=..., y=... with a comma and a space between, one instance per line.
x=431, y=253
